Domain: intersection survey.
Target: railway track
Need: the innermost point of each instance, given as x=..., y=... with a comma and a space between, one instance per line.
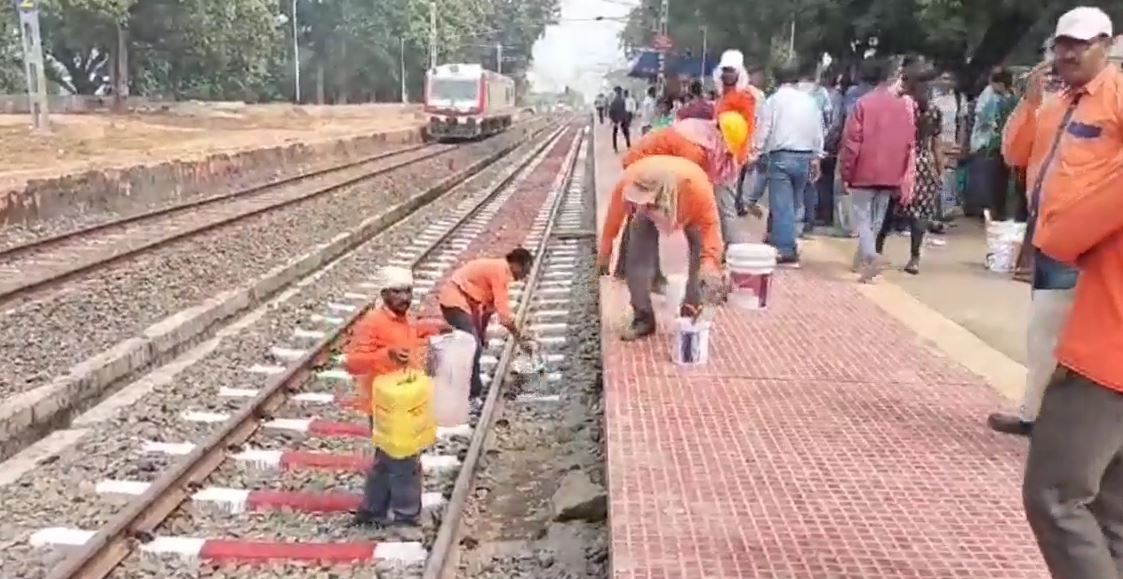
x=41, y=263
x=175, y=514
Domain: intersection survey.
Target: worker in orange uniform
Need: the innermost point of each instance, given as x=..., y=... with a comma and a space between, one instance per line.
x=476, y=291
x=664, y=194
x=738, y=97
x=1072, y=147
x=387, y=340
x=708, y=144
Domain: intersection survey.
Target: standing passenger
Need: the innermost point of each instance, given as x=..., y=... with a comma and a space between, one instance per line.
x=1073, y=488
x=875, y=156
x=618, y=115
x=476, y=291
x=647, y=111
x=696, y=107
x=791, y=138
x=664, y=194
x=600, y=104
x=385, y=341
x=737, y=97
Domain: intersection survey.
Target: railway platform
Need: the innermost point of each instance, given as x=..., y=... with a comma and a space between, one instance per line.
x=825, y=438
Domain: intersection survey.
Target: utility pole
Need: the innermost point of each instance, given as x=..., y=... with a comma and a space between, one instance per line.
x=499, y=58
x=432, y=34
x=33, y=63
x=402, y=60
x=295, y=57
x=664, y=8
x=705, y=32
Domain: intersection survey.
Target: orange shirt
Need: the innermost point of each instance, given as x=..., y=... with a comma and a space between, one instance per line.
x=486, y=282
x=1081, y=215
x=696, y=207
x=367, y=354
x=667, y=142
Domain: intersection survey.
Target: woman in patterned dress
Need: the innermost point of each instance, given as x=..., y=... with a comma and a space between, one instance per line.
x=924, y=203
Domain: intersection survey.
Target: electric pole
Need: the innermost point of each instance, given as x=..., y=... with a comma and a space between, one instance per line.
x=499, y=58
x=33, y=63
x=295, y=57
x=432, y=34
x=402, y=60
x=664, y=8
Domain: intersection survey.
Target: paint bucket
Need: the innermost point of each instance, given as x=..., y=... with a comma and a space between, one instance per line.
x=690, y=344
x=750, y=271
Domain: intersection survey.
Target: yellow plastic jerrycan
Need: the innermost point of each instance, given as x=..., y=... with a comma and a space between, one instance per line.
x=403, y=413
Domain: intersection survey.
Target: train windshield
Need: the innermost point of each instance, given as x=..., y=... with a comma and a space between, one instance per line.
x=456, y=90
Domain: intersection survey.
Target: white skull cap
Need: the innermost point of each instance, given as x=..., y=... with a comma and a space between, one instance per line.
x=732, y=59
x=1083, y=23
x=394, y=277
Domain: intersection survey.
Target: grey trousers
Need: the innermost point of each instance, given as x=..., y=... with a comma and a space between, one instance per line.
x=393, y=486
x=731, y=231
x=1073, y=488
x=869, y=207
x=643, y=262
x=1048, y=313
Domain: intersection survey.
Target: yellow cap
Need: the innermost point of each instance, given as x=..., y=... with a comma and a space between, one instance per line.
x=734, y=129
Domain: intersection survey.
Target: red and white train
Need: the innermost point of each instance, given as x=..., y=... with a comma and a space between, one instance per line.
x=464, y=101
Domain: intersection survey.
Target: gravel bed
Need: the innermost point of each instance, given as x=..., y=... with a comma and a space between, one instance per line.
x=60, y=492
x=17, y=234
x=42, y=339
x=176, y=568
x=510, y=530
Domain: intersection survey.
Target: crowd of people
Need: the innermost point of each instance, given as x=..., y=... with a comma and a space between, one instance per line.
x=889, y=152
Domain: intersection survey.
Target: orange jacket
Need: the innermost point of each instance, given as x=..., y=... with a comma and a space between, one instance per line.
x=1080, y=220
x=367, y=354
x=667, y=142
x=739, y=101
x=696, y=207
x=486, y=282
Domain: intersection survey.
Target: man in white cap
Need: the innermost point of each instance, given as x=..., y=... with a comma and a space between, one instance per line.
x=386, y=340
x=1072, y=147
x=731, y=76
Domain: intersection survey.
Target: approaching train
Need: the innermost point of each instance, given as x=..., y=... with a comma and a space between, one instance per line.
x=464, y=101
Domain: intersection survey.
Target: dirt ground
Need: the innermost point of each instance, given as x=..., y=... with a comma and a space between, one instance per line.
x=81, y=142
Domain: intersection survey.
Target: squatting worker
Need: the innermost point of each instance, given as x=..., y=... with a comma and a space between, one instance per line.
x=1073, y=488
x=706, y=143
x=386, y=340
x=476, y=291
x=664, y=194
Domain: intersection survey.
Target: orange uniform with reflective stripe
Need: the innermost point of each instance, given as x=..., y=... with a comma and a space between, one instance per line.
x=667, y=141
x=696, y=207
x=486, y=282
x=367, y=354
x=1081, y=215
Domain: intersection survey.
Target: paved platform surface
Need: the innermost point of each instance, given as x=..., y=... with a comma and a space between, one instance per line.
x=825, y=439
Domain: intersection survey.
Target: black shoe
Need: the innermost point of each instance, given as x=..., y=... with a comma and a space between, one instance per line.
x=789, y=261
x=368, y=521
x=913, y=266
x=1009, y=424
x=642, y=326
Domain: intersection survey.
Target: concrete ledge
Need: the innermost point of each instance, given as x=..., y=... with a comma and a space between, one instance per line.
x=132, y=190
x=27, y=416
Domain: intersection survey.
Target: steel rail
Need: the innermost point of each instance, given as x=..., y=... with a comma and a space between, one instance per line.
x=138, y=521
x=60, y=276
x=444, y=545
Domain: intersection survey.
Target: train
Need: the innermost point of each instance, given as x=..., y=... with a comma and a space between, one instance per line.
x=465, y=101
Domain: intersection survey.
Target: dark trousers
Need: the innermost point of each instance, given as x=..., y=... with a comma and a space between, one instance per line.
x=393, y=486
x=622, y=126
x=465, y=322
x=916, y=228
x=1073, y=487
x=643, y=265
x=600, y=114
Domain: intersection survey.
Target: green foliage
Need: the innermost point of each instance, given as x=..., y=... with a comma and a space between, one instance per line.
x=350, y=50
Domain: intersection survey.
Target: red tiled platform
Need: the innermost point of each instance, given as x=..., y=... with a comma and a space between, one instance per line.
x=823, y=440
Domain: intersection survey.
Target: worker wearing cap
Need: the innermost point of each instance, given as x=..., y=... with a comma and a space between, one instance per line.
x=476, y=291
x=736, y=97
x=1072, y=147
x=387, y=340
x=708, y=144
x=664, y=194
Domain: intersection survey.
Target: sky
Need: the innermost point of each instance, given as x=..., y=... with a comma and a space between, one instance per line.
x=577, y=52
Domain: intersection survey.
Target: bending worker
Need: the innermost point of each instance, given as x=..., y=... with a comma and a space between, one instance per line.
x=387, y=340
x=664, y=194
x=479, y=289
x=708, y=144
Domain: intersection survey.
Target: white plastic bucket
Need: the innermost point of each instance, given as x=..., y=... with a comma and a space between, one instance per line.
x=451, y=364
x=751, y=266
x=1004, y=243
x=690, y=344
x=673, y=296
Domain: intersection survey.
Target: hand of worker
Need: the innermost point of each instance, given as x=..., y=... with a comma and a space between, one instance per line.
x=399, y=355
x=602, y=267
x=1035, y=84
x=712, y=285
